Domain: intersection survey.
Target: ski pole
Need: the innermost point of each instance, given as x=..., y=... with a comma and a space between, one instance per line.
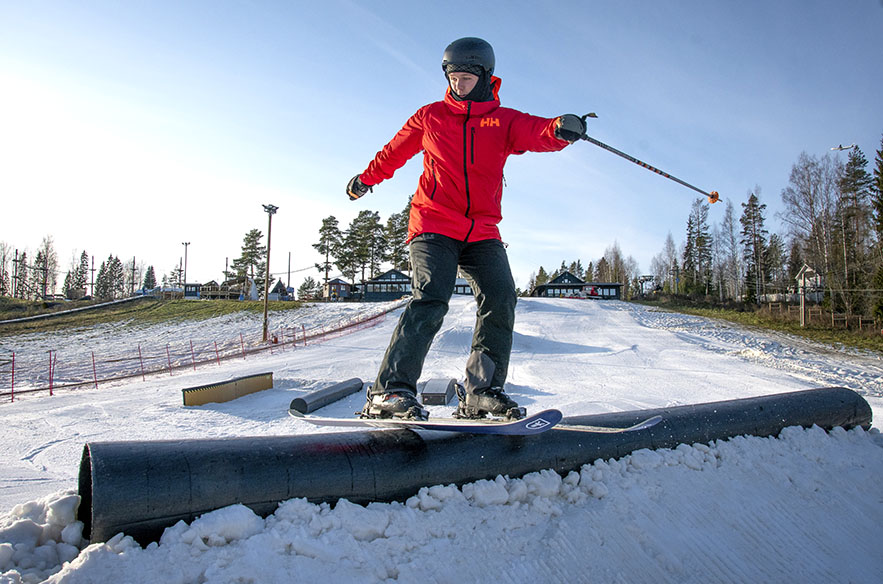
x=713, y=196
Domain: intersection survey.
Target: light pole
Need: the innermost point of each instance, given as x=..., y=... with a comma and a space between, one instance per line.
x=271, y=210
x=185, y=244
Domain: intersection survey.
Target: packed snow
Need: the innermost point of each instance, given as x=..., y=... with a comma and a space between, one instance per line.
x=804, y=506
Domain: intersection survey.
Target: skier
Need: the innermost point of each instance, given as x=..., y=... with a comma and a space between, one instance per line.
x=465, y=140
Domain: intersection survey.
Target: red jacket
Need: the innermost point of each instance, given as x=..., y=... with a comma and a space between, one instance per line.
x=465, y=145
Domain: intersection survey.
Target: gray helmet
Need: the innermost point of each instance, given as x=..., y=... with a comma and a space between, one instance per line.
x=469, y=54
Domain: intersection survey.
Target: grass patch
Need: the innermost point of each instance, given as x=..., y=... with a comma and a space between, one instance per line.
x=139, y=311
x=749, y=317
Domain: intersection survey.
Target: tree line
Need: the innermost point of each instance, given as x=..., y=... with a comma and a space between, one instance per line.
x=34, y=279
x=833, y=218
x=832, y=214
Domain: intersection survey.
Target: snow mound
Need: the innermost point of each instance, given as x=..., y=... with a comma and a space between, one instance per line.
x=38, y=537
x=801, y=507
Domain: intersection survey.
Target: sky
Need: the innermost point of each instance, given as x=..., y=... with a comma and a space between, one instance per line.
x=129, y=128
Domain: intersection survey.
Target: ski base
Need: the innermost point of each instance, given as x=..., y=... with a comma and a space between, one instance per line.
x=529, y=425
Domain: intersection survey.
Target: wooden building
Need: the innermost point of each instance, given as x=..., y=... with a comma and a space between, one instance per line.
x=566, y=285
x=337, y=289
x=391, y=285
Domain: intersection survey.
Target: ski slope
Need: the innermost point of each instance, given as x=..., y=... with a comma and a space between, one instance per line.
x=802, y=507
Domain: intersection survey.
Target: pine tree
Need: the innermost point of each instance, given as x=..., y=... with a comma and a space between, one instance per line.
x=252, y=263
x=117, y=278
x=576, y=268
x=20, y=276
x=877, y=297
x=102, y=285
x=36, y=283
x=853, y=236
x=5, y=282
x=877, y=193
x=603, y=272
x=754, y=244
x=149, y=279
x=542, y=277
x=328, y=245
x=365, y=241
x=310, y=289
x=396, y=237
x=697, y=264
x=775, y=263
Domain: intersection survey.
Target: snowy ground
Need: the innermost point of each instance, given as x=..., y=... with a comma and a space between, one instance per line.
x=806, y=506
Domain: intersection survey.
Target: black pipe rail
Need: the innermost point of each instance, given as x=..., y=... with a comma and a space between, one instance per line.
x=140, y=488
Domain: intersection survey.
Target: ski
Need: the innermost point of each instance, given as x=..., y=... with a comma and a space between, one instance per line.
x=642, y=425
x=533, y=424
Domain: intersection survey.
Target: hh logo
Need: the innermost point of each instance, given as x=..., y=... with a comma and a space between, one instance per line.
x=491, y=122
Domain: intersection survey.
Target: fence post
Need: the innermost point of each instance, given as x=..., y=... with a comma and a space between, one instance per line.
x=94, y=373
x=50, y=372
x=192, y=355
x=12, y=388
x=217, y=355
x=304, y=331
x=242, y=344
x=141, y=360
x=169, y=358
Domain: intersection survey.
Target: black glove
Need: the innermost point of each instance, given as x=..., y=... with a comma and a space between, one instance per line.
x=570, y=127
x=356, y=188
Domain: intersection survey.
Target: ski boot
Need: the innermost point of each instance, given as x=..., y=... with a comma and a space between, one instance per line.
x=488, y=400
x=397, y=403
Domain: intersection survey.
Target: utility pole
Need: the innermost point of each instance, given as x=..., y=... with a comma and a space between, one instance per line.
x=271, y=210
x=185, y=244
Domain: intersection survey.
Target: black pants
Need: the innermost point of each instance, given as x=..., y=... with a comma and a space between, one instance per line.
x=434, y=261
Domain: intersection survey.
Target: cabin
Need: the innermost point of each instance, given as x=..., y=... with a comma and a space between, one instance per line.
x=391, y=285
x=191, y=291
x=233, y=289
x=279, y=292
x=566, y=285
x=337, y=289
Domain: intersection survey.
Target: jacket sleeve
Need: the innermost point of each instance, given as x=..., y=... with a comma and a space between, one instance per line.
x=534, y=134
x=404, y=145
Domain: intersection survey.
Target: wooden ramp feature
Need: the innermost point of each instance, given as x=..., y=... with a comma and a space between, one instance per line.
x=225, y=391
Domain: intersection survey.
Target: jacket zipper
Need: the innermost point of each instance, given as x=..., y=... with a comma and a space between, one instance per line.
x=466, y=168
x=472, y=147
x=434, y=180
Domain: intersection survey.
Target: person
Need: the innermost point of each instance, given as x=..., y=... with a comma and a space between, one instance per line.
x=466, y=139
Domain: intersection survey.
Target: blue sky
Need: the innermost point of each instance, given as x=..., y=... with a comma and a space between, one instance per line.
x=127, y=128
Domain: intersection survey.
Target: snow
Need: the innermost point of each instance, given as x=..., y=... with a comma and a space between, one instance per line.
x=804, y=506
